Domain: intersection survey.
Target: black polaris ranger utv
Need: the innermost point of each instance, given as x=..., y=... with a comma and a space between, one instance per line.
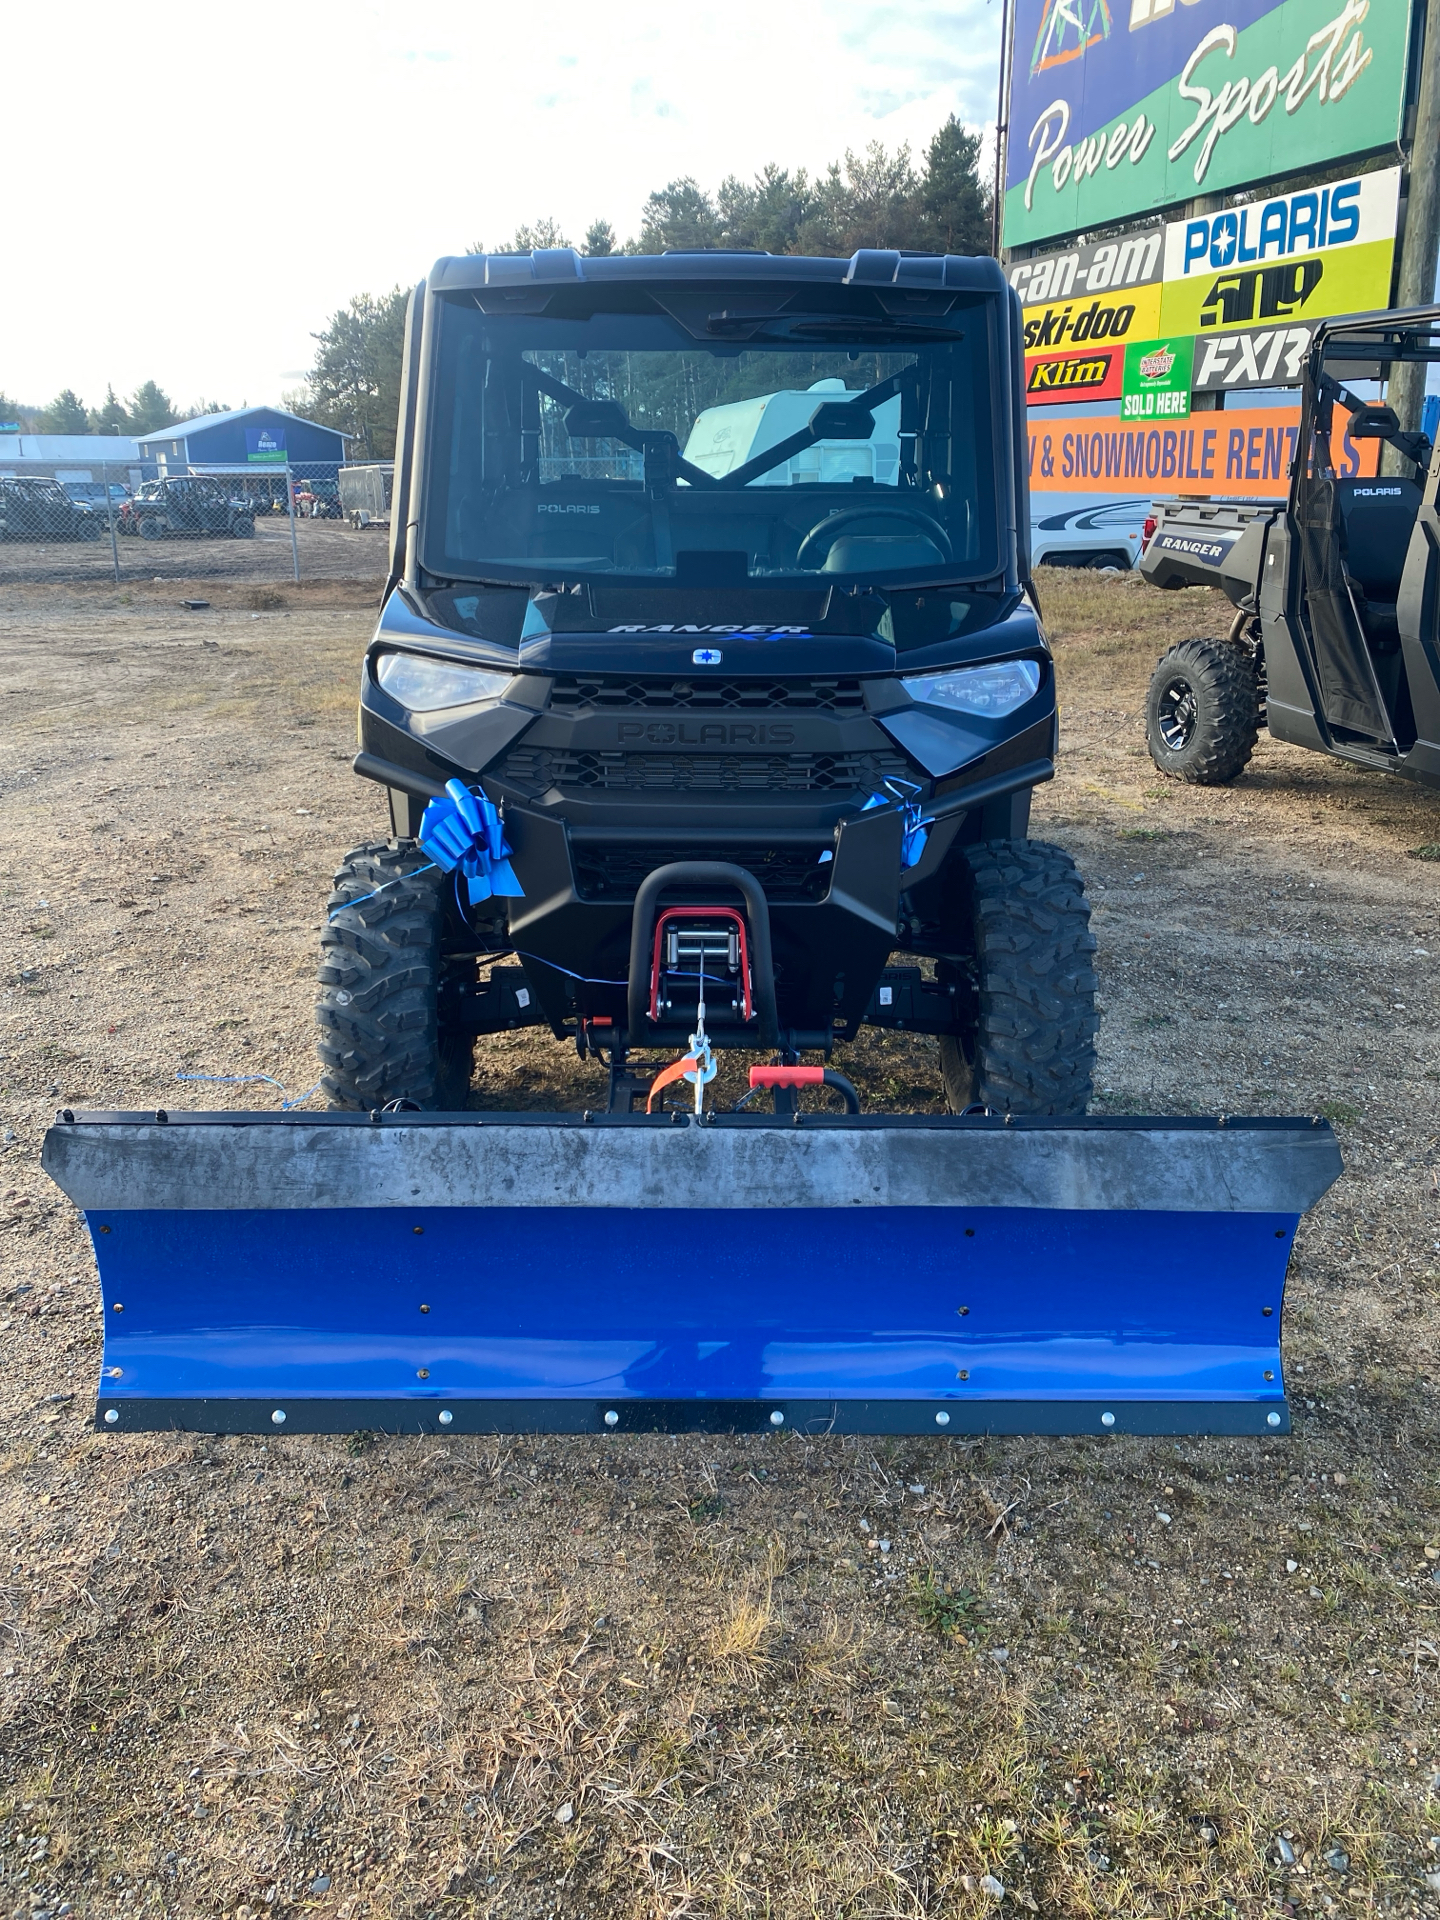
x=710, y=675
x=1335, y=644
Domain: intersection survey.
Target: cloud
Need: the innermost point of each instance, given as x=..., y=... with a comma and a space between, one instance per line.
x=376, y=141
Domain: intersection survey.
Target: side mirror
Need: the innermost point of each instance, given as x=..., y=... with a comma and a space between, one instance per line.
x=842, y=420
x=596, y=420
x=1373, y=422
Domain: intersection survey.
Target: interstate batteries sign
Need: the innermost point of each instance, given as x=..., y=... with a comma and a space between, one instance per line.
x=1121, y=107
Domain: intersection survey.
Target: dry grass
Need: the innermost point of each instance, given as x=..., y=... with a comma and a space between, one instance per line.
x=639, y=1678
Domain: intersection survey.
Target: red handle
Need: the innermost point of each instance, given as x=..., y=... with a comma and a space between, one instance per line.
x=787, y=1076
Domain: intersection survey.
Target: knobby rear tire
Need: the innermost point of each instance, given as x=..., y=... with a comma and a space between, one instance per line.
x=1223, y=724
x=381, y=970
x=1032, y=1048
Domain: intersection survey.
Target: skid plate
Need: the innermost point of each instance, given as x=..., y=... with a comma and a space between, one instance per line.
x=571, y=1273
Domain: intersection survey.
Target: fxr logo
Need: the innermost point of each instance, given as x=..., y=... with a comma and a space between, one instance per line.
x=705, y=733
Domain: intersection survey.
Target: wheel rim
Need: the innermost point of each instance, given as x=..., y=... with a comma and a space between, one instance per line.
x=1175, y=715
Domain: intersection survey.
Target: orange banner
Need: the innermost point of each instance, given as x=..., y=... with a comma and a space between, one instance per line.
x=1243, y=452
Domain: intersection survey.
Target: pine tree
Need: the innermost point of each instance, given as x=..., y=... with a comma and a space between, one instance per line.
x=109, y=419
x=680, y=215
x=355, y=382
x=65, y=414
x=599, y=238
x=954, y=207
x=150, y=409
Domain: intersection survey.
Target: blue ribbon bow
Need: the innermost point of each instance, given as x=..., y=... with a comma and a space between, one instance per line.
x=917, y=828
x=464, y=831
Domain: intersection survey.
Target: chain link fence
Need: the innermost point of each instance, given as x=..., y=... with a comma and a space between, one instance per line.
x=118, y=522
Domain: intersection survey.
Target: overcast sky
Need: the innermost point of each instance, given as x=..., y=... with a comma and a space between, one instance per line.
x=203, y=186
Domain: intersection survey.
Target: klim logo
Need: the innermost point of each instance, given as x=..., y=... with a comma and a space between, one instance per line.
x=1069, y=376
x=704, y=733
x=1062, y=326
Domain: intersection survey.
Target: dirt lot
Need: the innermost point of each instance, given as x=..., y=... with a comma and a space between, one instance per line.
x=655, y=1677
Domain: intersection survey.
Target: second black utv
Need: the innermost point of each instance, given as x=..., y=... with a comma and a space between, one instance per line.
x=1335, y=643
x=710, y=687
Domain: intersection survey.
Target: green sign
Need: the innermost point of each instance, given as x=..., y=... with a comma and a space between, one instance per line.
x=1121, y=108
x=1156, y=381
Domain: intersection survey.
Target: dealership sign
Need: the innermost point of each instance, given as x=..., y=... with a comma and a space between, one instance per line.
x=1121, y=107
x=265, y=446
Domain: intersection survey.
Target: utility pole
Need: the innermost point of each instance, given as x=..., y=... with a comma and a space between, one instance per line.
x=1420, y=249
x=1002, y=129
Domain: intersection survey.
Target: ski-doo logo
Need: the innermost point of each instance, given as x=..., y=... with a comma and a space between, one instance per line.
x=568, y=507
x=705, y=733
x=730, y=633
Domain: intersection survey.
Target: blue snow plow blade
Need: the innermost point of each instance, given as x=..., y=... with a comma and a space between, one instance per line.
x=454, y=1273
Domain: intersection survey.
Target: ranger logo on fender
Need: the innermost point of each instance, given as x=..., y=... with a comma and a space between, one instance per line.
x=705, y=733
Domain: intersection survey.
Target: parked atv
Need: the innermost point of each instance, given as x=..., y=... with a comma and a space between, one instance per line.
x=1335, y=644
x=33, y=508
x=188, y=504
x=710, y=687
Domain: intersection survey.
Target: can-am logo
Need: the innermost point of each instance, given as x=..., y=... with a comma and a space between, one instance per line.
x=704, y=733
x=1156, y=366
x=1055, y=376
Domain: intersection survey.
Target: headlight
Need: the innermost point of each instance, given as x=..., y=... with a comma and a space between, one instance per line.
x=989, y=691
x=423, y=685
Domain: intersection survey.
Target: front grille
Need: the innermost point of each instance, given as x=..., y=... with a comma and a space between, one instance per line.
x=615, y=873
x=575, y=693
x=537, y=768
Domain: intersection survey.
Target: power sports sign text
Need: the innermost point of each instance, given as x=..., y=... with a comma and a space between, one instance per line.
x=1121, y=107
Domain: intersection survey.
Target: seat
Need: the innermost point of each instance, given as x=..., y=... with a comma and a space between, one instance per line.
x=1377, y=518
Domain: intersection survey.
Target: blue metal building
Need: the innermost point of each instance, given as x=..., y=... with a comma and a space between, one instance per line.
x=256, y=437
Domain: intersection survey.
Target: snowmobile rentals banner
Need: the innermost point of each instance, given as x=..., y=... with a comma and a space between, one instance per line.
x=1243, y=454
x=1121, y=107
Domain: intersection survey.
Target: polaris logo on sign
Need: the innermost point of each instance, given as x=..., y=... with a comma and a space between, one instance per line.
x=706, y=657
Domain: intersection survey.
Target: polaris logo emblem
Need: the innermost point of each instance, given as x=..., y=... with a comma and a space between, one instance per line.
x=569, y=507
x=706, y=657
x=705, y=733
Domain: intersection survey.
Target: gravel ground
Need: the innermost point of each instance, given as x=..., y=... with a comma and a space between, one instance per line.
x=654, y=1677
x=325, y=549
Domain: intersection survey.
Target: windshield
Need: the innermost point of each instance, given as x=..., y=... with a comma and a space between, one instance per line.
x=835, y=448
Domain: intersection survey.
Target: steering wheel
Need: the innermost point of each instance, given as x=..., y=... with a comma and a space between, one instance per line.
x=825, y=531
